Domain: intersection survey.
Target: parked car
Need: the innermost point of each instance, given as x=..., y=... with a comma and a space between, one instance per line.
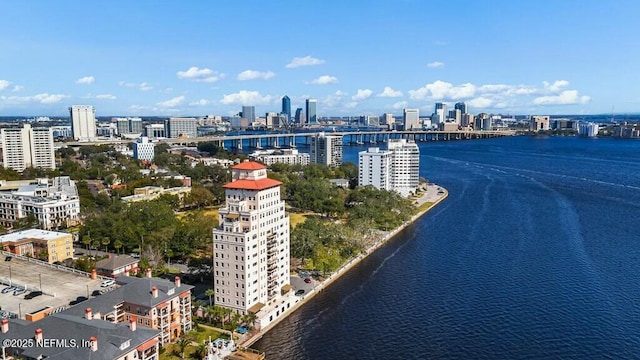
x=8, y=258
x=307, y=280
x=300, y=292
x=19, y=291
x=108, y=283
x=32, y=295
x=9, y=289
x=78, y=300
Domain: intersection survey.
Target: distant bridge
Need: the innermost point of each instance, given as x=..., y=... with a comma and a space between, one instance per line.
x=289, y=139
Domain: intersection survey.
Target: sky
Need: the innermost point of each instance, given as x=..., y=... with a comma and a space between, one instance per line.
x=178, y=58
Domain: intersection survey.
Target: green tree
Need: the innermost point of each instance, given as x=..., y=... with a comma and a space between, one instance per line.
x=105, y=241
x=117, y=245
x=210, y=293
x=182, y=344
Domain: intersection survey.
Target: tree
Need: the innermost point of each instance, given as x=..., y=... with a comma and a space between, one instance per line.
x=210, y=293
x=105, y=242
x=182, y=344
x=86, y=240
x=211, y=312
x=249, y=319
x=117, y=245
x=200, y=351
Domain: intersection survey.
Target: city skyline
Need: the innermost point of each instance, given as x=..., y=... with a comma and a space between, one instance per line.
x=523, y=58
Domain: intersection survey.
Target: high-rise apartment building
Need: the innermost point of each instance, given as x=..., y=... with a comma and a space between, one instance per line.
x=411, y=119
x=251, y=246
x=129, y=126
x=455, y=116
x=27, y=147
x=405, y=163
x=249, y=113
x=540, y=122
x=286, y=107
x=181, y=128
x=374, y=168
x=311, y=111
x=83, y=122
x=326, y=149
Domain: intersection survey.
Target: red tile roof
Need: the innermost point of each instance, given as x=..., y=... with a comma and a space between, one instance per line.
x=252, y=184
x=249, y=165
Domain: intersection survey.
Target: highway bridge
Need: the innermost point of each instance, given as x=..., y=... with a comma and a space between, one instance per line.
x=291, y=139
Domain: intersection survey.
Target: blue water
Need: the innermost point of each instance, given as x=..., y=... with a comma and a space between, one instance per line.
x=534, y=254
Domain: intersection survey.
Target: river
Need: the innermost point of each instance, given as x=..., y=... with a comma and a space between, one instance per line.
x=534, y=254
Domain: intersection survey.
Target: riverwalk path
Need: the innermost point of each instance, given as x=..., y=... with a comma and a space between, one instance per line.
x=434, y=195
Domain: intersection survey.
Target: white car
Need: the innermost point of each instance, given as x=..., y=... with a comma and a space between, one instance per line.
x=108, y=283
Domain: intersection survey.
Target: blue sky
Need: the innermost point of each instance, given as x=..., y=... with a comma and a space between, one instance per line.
x=355, y=57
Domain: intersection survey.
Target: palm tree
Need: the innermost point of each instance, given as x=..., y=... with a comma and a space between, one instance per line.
x=117, y=245
x=210, y=293
x=95, y=244
x=182, y=344
x=200, y=352
x=86, y=240
x=220, y=312
x=211, y=311
x=236, y=320
x=249, y=319
x=105, y=242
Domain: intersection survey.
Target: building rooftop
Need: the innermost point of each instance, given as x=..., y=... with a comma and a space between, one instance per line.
x=259, y=184
x=32, y=234
x=249, y=165
x=114, y=340
x=115, y=262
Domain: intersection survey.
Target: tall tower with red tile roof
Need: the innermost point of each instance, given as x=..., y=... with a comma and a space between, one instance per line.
x=251, y=245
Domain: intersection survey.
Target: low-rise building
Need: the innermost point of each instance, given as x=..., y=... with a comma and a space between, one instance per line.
x=50, y=246
x=147, y=193
x=150, y=302
x=54, y=202
x=284, y=156
x=117, y=265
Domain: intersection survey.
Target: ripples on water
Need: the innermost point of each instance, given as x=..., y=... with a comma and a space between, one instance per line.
x=535, y=254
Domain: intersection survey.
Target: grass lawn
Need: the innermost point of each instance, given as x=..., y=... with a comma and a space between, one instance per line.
x=425, y=206
x=211, y=211
x=297, y=218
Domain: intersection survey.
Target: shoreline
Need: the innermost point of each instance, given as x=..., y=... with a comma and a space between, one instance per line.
x=354, y=261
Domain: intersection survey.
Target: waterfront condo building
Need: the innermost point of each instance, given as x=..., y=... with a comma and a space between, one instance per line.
x=326, y=149
x=411, y=119
x=284, y=156
x=539, y=122
x=27, y=147
x=83, y=122
x=251, y=246
x=396, y=168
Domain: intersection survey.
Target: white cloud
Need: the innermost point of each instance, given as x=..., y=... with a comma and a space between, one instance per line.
x=145, y=86
x=351, y=105
x=4, y=84
x=435, y=65
x=480, y=102
x=333, y=100
x=304, y=61
x=362, y=94
x=440, y=90
x=127, y=84
x=166, y=90
x=246, y=97
x=173, y=102
x=106, y=97
x=201, y=102
x=196, y=74
x=567, y=97
x=556, y=86
x=86, y=80
x=254, y=74
x=324, y=80
x=400, y=105
x=389, y=92
x=44, y=98
x=17, y=88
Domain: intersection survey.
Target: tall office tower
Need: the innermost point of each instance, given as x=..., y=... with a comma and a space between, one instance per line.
x=181, y=127
x=272, y=120
x=441, y=112
x=311, y=111
x=299, y=116
x=326, y=149
x=462, y=106
x=374, y=168
x=479, y=121
x=249, y=113
x=135, y=125
x=388, y=119
x=27, y=147
x=83, y=122
x=143, y=149
x=411, y=119
x=455, y=115
x=251, y=245
x=467, y=119
x=405, y=166
x=286, y=107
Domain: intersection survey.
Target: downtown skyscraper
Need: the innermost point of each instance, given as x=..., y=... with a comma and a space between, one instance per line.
x=286, y=107
x=311, y=111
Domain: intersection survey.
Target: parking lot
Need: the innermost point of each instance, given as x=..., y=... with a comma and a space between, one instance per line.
x=59, y=287
x=297, y=281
